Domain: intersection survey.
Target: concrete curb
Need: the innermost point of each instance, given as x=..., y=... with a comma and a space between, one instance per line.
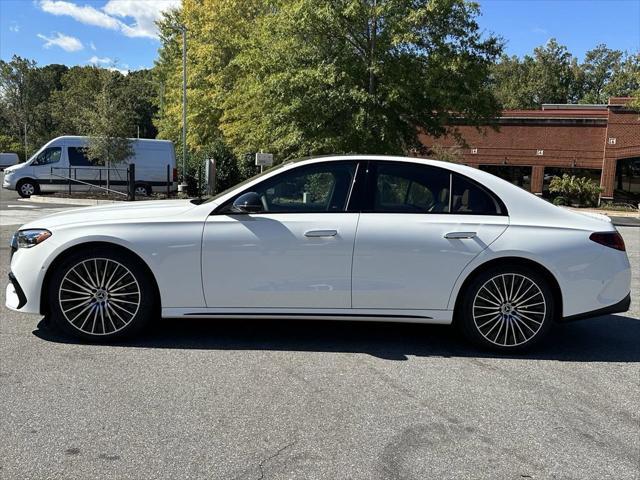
x=87, y=202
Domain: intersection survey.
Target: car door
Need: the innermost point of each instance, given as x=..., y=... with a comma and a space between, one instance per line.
x=295, y=253
x=421, y=226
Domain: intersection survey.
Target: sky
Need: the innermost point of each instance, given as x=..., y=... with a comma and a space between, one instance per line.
x=121, y=33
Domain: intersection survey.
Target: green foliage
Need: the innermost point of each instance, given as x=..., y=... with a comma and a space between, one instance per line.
x=553, y=75
x=53, y=100
x=445, y=154
x=579, y=191
x=305, y=77
x=11, y=144
x=560, y=201
x=108, y=121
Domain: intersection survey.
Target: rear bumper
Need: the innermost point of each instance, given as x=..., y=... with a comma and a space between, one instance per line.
x=621, y=306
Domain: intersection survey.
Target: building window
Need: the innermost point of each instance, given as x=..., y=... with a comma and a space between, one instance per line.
x=628, y=180
x=520, y=176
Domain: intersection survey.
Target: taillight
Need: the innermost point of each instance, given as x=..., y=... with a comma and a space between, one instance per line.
x=609, y=239
x=175, y=174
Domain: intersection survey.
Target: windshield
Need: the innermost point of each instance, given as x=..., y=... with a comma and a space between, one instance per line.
x=245, y=182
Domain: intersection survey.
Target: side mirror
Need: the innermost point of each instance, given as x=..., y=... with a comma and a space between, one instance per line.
x=249, y=202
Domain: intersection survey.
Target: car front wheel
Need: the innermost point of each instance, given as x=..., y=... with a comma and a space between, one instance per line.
x=507, y=309
x=101, y=295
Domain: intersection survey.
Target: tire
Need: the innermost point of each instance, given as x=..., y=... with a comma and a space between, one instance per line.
x=27, y=187
x=101, y=295
x=143, y=190
x=507, y=309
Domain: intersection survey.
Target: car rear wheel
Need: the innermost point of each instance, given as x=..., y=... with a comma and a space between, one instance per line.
x=26, y=188
x=507, y=308
x=101, y=295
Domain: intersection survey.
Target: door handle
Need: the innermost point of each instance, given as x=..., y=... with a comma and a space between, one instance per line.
x=320, y=233
x=460, y=235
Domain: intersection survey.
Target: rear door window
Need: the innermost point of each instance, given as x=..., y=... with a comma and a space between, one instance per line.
x=470, y=198
x=409, y=188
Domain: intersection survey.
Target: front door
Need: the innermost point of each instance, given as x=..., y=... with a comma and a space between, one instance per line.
x=422, y=226
x=295, y=253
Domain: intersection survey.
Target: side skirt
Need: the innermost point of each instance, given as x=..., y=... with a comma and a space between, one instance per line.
x=441, y=317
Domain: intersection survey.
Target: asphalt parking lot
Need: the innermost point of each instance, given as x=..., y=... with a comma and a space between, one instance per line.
x=318, y=400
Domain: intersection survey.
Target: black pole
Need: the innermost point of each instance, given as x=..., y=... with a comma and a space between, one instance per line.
x=131, y=193
x=69, y=180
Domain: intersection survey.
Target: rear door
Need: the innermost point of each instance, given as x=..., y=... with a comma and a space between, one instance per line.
x=420, y=227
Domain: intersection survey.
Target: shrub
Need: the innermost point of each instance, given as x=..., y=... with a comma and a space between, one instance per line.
x=560, y=201
x=580, y=191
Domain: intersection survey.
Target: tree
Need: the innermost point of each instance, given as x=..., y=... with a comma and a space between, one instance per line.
x=599, y=67
x=308, y=76
x=25, y=91
x=550, y=75
x=354, y=76
x=108, y=122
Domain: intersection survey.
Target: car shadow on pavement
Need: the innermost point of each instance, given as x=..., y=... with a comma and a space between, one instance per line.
x=612, y=338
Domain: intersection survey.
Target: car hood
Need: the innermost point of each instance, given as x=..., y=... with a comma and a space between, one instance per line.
x=113, y=212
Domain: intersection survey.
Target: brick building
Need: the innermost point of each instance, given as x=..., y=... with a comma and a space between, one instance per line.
x=530, y=146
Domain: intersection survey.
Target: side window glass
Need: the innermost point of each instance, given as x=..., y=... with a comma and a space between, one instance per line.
x=410, y=188
x=470, y=198
x=49, y=155
x=78, y=157
x=315, y=188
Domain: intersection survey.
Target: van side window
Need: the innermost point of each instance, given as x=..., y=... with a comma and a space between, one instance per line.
x=470, y=198
x=78, y=158
x=48, y=155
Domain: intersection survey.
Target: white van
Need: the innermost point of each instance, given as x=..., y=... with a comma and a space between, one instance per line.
x=8, y=159
x=63, y=158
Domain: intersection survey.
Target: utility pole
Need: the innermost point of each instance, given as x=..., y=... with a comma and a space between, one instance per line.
x=183, y=185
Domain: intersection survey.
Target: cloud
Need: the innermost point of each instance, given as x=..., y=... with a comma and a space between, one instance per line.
x=95, y=60
x=104, y=61
x=92, y=46
x=14, y=27
x=143, y=12
x=539, y=30
x=65, y=42
x=133, y=18
x=85, y=14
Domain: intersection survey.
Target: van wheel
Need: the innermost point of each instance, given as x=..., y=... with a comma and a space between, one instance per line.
x=27, y=187
x=143, y=190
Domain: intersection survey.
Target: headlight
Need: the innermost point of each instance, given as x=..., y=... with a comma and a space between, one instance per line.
x=29, y=238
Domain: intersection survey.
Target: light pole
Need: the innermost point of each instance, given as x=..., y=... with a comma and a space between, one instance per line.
x=183, y=185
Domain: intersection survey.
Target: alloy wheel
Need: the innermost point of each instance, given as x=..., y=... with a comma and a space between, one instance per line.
x=99, y=296
x=509, y=309
x=27, y=189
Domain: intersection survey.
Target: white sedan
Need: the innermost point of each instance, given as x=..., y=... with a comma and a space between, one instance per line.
x=351, y=237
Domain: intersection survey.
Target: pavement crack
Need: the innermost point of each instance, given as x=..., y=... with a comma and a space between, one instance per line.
x=264, y=461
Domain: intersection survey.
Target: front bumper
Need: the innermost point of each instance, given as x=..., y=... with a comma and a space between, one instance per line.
x=15, y=298
x=621, y=306
x=8, y=183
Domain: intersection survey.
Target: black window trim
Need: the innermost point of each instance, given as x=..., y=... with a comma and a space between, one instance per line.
x=360, y=196
x=370, y=188
x=354, y=185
